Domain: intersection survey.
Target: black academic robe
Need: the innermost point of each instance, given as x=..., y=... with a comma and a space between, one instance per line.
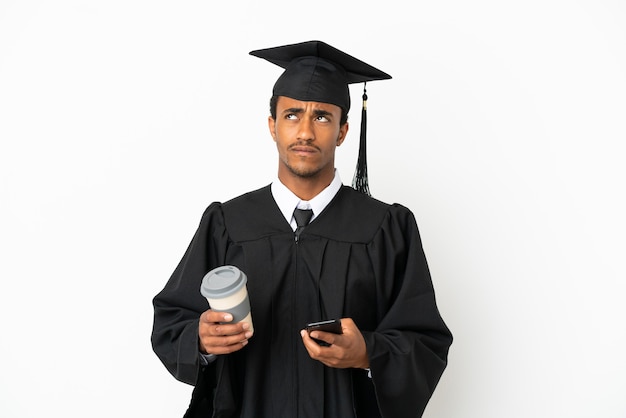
x=360, y=258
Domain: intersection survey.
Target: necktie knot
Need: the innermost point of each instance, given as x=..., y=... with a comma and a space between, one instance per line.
x=302, y=216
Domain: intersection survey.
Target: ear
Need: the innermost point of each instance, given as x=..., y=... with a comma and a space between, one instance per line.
x=343, y=131
x=271, y=124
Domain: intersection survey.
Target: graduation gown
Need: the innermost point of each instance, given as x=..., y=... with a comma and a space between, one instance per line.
x=360, y=258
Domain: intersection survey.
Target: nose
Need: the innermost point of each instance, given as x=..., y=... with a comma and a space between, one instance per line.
x=305, y=130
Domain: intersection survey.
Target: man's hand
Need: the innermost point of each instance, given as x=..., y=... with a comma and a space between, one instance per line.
x=345, y=350
x=216, y=337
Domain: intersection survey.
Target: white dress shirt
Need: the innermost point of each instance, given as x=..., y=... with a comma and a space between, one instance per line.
x=288, y=202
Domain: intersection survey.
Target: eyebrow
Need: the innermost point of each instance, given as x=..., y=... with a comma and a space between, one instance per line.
x=299, y=110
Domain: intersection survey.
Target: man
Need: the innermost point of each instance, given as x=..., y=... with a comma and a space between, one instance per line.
x=357, y=259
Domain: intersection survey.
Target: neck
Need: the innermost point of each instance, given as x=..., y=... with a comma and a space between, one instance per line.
x=306, y=188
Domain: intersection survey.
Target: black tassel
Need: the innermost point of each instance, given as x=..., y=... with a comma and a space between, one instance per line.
x=359, y=182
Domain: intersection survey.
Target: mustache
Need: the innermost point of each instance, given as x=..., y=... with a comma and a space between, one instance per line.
x=303, y=144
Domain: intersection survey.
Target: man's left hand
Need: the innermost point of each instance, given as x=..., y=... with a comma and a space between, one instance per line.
x=345, y=350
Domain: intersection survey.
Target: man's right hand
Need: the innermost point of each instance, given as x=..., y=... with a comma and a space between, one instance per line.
x=217, y=336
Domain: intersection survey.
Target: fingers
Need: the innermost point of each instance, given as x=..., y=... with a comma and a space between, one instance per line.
x=212, y=316
x=345, y=350
x=218, y=336
x=332, y=355
x=322, y=337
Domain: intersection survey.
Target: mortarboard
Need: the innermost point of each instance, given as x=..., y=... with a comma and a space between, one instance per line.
x=318, y=72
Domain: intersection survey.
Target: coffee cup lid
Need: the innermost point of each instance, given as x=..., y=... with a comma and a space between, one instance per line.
x=222, y=282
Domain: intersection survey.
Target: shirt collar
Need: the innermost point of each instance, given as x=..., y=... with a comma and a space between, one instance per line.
x=287, y=201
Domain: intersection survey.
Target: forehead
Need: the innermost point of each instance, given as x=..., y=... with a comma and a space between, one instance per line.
x=285, y=102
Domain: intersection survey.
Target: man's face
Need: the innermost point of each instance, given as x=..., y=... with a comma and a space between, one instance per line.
x=306, y=135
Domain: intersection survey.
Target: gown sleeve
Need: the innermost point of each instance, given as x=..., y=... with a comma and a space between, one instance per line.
x=408, y=349
x=177, y=308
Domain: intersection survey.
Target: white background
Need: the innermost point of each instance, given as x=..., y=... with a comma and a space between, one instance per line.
x=502, y=129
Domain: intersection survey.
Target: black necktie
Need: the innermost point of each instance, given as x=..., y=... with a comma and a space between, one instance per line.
x=303, y=216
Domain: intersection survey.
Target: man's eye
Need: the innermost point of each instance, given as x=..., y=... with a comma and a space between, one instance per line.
x=291, y=116
x=322, y=118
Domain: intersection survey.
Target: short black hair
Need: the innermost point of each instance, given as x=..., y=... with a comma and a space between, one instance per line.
x=274, y=101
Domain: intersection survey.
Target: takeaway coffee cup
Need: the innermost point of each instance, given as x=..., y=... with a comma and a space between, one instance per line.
x=225, y=289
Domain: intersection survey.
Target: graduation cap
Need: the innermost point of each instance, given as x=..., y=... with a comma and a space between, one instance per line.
x=318, y=72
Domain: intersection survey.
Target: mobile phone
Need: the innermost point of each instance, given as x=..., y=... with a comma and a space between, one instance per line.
x=330, y=325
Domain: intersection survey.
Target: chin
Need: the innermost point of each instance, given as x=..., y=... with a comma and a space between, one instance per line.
x=304, y=172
